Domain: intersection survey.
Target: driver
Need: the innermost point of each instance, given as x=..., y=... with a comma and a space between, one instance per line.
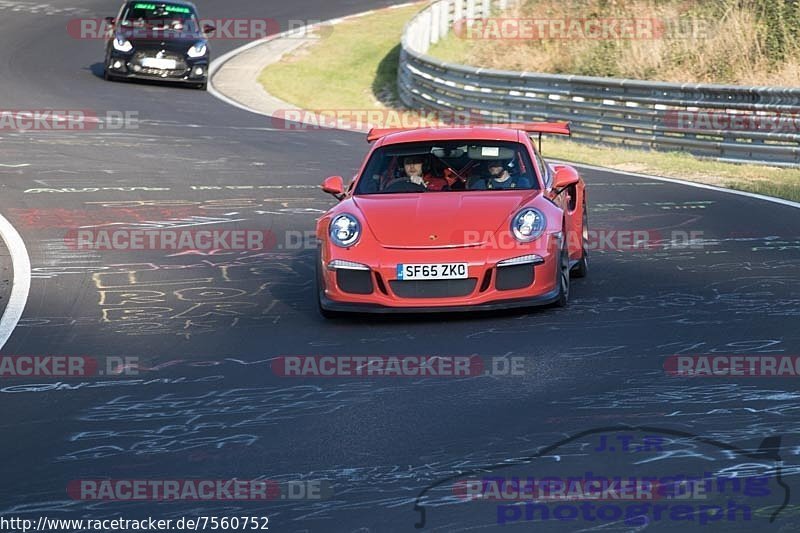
x=415, y=171
x=500, y=177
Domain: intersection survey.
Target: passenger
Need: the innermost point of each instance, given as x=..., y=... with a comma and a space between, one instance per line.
x=416, y=170
x=500, y=177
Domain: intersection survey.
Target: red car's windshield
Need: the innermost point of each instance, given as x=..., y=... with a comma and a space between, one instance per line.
x=448, y=166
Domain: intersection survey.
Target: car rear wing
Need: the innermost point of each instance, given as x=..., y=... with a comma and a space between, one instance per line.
x=543, y=128
x=376, y=133
x=531, y=128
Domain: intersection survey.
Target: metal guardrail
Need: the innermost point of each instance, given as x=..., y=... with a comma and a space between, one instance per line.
x=633, y=113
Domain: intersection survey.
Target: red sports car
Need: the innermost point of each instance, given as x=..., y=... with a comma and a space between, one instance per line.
x=453, y=219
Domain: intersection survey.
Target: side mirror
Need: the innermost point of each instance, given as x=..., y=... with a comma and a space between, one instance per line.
x=334, y=185
x=208, y=28
x=565, y=177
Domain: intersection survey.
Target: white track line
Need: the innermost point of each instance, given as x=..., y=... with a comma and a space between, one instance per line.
x=676, y=181
x=21, y=285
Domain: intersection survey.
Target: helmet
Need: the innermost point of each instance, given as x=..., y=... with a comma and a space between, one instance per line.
x=507, y=164
x=417, y=158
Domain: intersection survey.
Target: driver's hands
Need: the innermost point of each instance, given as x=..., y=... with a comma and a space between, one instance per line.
x=417, y=180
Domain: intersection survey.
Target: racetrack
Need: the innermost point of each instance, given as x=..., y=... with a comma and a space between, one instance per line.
x=220, y=412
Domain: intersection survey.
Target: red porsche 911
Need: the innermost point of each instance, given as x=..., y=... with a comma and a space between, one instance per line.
x=453, y=219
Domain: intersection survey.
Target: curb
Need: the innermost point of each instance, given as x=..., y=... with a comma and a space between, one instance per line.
x=269, y=102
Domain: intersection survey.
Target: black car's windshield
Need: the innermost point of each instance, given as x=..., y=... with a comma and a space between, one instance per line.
x=448, y=166
x=159, y=15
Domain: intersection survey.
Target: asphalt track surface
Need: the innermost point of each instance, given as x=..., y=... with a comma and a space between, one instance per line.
x=215, y=410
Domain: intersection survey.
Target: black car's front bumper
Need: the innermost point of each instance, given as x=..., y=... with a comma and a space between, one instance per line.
x=130, y=65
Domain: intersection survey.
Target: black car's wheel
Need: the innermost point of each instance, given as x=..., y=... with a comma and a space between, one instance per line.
x=322, y=311
x=581, y=269
x=563, y=275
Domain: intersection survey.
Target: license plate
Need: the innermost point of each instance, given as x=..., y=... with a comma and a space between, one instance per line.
x=159, y=63
x=408, y=272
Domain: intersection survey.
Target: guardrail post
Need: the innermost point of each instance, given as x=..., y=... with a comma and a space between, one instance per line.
x=444, y=19
x=470, y=9
x=436, y=10
x=458, y=10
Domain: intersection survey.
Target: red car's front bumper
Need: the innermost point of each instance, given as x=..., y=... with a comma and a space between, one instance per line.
x=488, y=287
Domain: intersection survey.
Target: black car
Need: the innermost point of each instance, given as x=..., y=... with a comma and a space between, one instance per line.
x=158, y=41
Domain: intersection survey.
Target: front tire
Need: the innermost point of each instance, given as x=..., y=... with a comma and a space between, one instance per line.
x=563, y=275
x=581, y=269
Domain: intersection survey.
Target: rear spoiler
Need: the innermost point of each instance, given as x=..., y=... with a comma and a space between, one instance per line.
x=376, y=133
x=540, y=128
x=544, y=128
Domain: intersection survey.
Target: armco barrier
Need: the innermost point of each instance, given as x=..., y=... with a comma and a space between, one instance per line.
x=609, y=110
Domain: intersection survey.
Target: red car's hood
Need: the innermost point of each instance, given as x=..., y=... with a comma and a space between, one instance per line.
x=430, y=220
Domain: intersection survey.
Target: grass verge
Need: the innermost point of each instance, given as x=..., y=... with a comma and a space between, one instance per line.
x=355, y=65
x=770, y=181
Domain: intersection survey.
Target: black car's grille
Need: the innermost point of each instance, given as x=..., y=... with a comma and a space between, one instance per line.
x=138, y=67
x=439, y=288
x=160, y=72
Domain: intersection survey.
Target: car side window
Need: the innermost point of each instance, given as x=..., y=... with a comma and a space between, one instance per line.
x=544, y=171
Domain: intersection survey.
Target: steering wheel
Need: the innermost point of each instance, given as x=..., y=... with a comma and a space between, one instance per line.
x=404, y=186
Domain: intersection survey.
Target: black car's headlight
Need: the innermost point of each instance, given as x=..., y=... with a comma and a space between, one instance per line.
x=345, y=230
x=122, y=44
x=528, y=225
x=198, y=50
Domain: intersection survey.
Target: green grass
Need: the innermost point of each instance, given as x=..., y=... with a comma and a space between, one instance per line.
x=771, y=181
x=354, y=67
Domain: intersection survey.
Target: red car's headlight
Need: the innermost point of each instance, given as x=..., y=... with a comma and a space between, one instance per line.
x=528, y=225
x=345, y=230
